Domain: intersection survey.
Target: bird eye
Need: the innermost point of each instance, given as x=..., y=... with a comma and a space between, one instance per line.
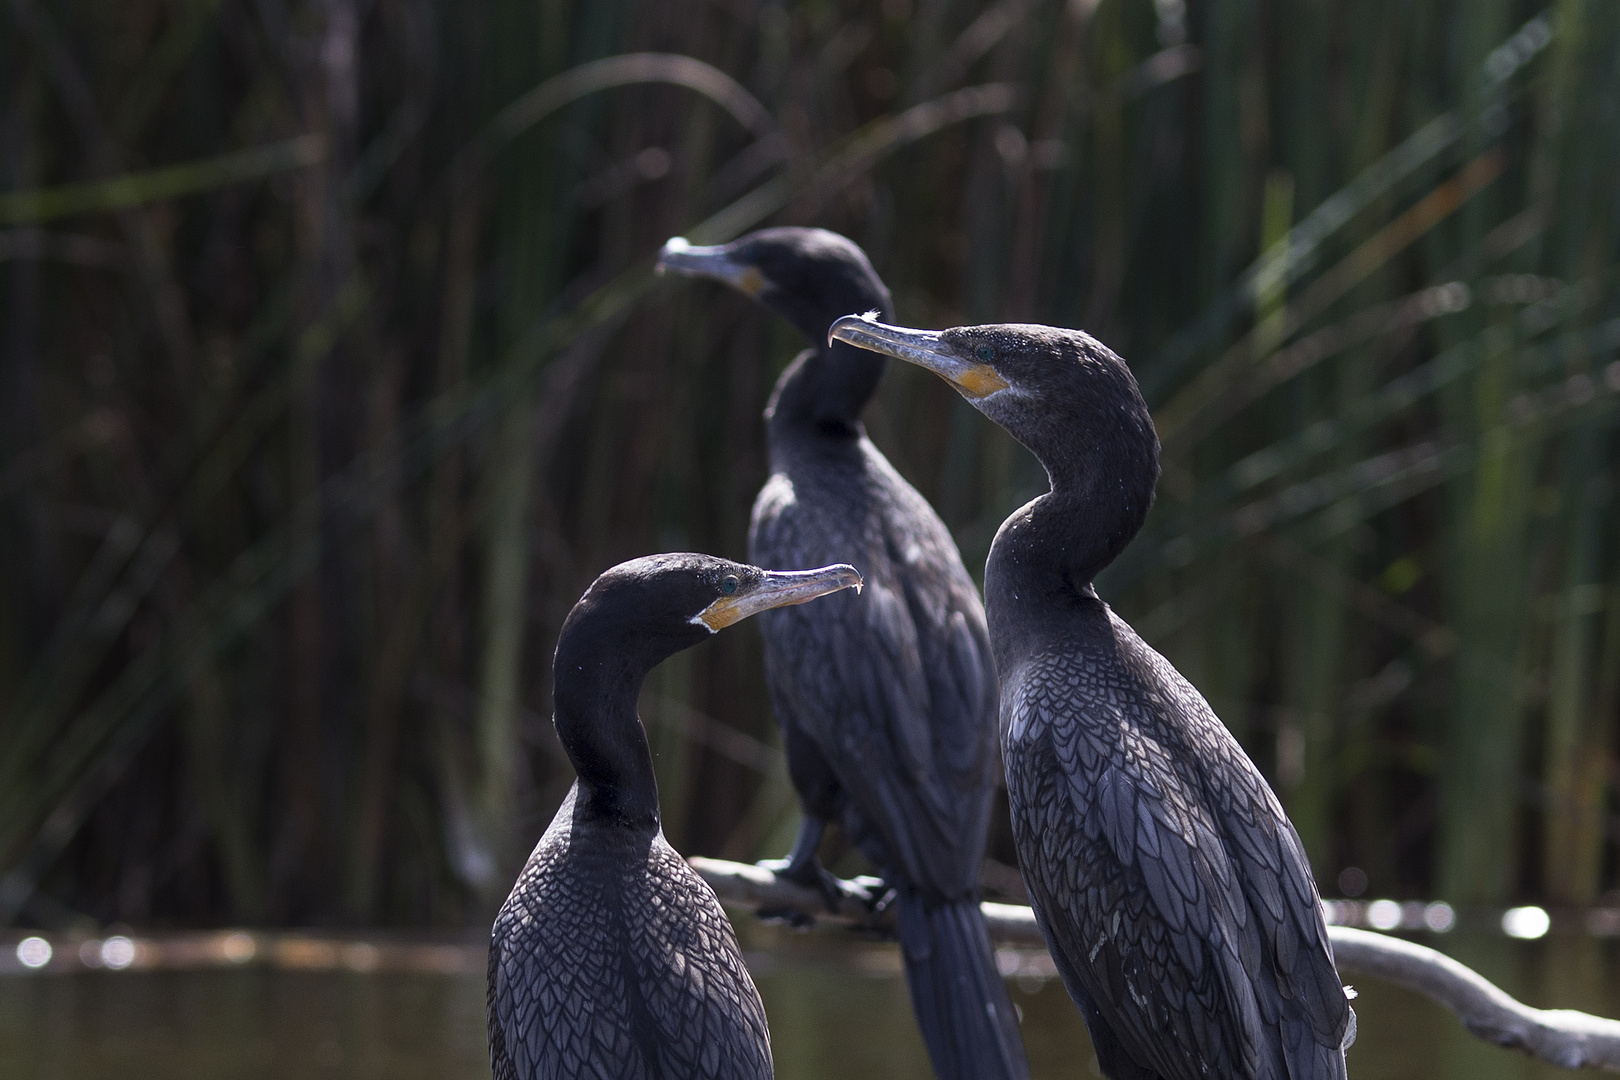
x=729, y=584
x=985, y=353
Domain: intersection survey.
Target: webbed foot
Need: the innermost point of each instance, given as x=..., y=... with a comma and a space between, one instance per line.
x=834, y=890
x=802, y=867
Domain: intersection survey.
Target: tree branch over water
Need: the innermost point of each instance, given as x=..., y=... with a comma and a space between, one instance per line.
x=1562, y=1037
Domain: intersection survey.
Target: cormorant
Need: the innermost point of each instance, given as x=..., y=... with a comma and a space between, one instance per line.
x=899, y=747
x=611, y=957
x=1172, y=890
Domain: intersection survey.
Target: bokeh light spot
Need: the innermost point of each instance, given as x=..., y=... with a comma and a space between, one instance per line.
x=1526, y=923
x=1440, y=917
x=33, y=952
x=118, y=952
x=1383, y=914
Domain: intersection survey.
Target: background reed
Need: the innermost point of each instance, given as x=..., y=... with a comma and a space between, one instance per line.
x=333, y=370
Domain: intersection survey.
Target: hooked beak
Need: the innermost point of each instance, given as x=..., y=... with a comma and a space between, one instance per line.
x=778, y=588
x=711, y=262
x=925, y=348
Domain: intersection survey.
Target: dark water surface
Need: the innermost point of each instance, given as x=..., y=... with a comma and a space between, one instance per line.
x=837, y=1007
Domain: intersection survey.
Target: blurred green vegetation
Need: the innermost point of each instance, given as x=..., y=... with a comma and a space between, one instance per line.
x=332, y=369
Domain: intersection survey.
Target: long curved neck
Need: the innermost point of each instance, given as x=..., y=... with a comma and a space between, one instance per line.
x=594, y=690
x=1045, y=556
x=823, y=391
x=825, y=388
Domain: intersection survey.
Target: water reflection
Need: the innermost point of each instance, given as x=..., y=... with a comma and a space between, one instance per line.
x=253, y=1023
x=837, y=1005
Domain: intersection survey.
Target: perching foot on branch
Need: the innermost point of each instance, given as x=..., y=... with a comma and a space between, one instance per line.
x=1563, y=1037
x=802, y=867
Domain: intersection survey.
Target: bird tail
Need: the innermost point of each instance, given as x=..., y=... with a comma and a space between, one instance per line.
x=967, y=1019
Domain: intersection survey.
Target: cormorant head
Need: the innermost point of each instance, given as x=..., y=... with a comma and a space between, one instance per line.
x=808, y=276
x=649, y=608
x=631, y=618
x=1062, y=393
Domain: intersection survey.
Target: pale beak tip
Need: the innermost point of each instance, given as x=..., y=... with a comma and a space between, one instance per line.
x=848, y=577
x=847, y=320
x=673, y=246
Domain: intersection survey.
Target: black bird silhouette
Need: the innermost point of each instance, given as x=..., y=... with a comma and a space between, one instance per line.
x=899, y=747
x=1172, y=890
x=611, y=957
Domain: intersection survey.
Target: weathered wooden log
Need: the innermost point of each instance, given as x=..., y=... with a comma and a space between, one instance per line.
x=1562, y=1037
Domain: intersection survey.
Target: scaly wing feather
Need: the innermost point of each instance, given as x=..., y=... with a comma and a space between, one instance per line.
x=1161, y=866
x=895, y=686
x=613, y=959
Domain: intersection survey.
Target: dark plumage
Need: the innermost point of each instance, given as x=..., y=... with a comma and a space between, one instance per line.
x=900, y=746
x=1172, y=890
x=611, y=958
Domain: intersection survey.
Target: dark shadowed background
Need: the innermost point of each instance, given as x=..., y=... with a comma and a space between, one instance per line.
x=332, y=370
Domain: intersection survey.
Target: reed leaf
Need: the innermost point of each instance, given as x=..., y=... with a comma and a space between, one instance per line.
x=306, y=448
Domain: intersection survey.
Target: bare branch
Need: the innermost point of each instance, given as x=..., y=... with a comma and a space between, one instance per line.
x=1563, y=1037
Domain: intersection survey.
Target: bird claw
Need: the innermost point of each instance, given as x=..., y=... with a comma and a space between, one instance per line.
x=880, y=896
x=872, y=893
x=876, y=897
x=812, y=875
